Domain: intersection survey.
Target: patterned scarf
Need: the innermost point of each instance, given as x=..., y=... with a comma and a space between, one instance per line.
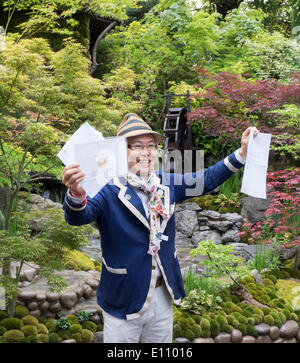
x=155, y=206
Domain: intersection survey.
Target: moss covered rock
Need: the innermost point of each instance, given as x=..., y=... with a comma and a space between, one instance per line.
x=13, y=336
x=11, y=323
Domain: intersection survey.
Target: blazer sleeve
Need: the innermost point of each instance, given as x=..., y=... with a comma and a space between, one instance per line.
x=189, y=185
x=84, y=210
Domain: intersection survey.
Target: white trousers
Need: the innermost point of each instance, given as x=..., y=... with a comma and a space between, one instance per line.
x=154, y=326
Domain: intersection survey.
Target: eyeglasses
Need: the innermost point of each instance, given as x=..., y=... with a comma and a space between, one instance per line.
x=140, y=147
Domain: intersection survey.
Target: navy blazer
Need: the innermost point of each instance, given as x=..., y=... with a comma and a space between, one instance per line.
x=128, y=274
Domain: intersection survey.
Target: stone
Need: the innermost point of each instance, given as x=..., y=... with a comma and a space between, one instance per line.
x=274, y=332
x=98, y=337
x=223, y=338
x=53, y=296
x=95, y=319
x=36, y=313
x=181, y=239
x=69, y=341
x=93, y=283
x=263, y=339
x=203, y=340
x=236, y=336
x=212, y=214
x=279, y=340
x=29, y=274
x=298, y=336
x=32, y=305
x=289, y=329
x=250, y=251
x=234, y=218
x=292, y=340
x=262, y=329
x=87, y=291
x=186, y=222
x=27, y=295
x=40, y=296
x=253, y=208
x=55, y=307
x=231, y=236
x=214, y=236
x=222, y=226
x=191, y=206
x=44, y=306
x=69, y=299
x=79, y=291
x=248, y=339
x=181, y=340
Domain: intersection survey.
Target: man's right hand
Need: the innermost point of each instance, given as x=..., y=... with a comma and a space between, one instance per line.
x=71, y=177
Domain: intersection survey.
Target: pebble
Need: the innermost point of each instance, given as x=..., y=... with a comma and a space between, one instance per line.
x=181, y=340
x=274, y=332
x=69, y=299
x=223, y=338
x=262, y=329
x=98, y=337
x=263, y=339
x=248, y=339
x=236, y=336
x=203, y=340
x=289, y=329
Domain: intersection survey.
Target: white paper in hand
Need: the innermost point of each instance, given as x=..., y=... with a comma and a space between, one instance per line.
x=85, y=134
x=101, y=161
x=255, y=172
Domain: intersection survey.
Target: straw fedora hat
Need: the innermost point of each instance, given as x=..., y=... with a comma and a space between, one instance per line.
x=133, y=125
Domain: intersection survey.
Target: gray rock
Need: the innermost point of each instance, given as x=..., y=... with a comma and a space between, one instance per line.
x=40, y=296
x=69, y=341
x=222, y=226
x=87, y=291
x=181, y=340
x=292, y=340
x=214, y=236
x=223, y=338
x=253, y=208
x=236, y=336
x=98, y=337
x=231, y=236
x=274, y=332
x=29, y=274
x=203, y=340
x=279, y=340
x=289, y=329
x=204, y=228
x=191, y=206
x=298, y=336
x=36, y=313
x=263, y=339
x=250, y=251
x=55, y=307
x=53, y=296
x=69, y=299
x=32, y=305
x=44, y=306
x=186, y=222
x=212, y=214
x=93, y=283
x=79, y=291
x=262, y=329
x=234, y=218
x=248, y=339
x=27, y=295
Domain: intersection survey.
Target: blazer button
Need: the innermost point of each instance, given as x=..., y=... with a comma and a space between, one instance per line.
x=153, y=267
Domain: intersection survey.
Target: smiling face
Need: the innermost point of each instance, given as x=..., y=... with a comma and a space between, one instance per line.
x=142, y=153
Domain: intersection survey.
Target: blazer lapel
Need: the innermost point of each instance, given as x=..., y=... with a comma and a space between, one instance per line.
x=131, y=200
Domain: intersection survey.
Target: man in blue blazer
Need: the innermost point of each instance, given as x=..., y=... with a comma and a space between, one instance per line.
x=140, y=276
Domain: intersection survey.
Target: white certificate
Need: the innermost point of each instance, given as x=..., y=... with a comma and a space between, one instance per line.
x=85, y=133
x=101, y=161
x=255, y=172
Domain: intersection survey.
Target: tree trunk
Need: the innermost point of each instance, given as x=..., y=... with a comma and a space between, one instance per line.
x=246, y=298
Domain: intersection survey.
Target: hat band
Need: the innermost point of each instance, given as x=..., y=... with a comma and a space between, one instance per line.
x=134, y=128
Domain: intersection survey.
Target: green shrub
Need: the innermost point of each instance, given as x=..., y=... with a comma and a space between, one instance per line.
x=13, y=336
x=54, y=338
x=77, y=337
x=87, y=336
x=30, y=320
x=2, y=330
x=31, y=339
x=75, y=328
x=214, y=327
x=42, y=338
x=21, y=311
x=42, y=329
x=72, y=319
x=92, y=326
x=11, y=323
x=268, y=319
x=29, y=330
x=204, y=324
x=52, y=326
x=3, y=315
